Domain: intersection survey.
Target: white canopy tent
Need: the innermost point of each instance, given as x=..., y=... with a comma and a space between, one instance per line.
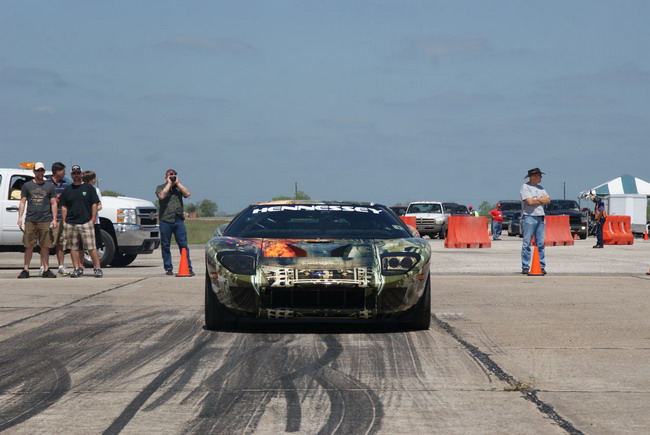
x=625, y=184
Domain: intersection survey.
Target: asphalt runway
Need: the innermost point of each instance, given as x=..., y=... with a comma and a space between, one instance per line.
x=506, y=353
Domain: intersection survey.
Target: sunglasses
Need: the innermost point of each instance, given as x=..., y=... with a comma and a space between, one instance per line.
x=39, y=170
x=75, y=172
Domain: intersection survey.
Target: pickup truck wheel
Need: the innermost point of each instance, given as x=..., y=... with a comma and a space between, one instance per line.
x=217, y=317
x=442, y=234
x=419, y=316
x=123, y=260
x=106, y=253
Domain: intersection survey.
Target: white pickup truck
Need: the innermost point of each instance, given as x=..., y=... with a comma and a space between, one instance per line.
x=129, y=225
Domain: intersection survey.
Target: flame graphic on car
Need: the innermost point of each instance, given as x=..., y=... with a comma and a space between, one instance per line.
x=282, y=249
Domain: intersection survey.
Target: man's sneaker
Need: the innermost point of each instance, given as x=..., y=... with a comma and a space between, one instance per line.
x=24, y=274
x=76, y=273
x=48, y=274
x=169, y=272
x=63, y=271
x=598, y=246
x=191, y=273
x=543, y=271
x=98, y=273
x=525, y=270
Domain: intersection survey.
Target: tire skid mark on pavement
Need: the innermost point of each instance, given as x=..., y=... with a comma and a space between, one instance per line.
x=530, y=395
x=36, y=365
x=235, y=401
x=49, y=310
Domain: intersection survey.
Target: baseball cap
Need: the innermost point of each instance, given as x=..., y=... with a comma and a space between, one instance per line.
x=75, y=168
x=39, y=165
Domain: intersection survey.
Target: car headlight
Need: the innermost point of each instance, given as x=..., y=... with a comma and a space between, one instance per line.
x=237, y=262
x=396, y=263
x=126, y=216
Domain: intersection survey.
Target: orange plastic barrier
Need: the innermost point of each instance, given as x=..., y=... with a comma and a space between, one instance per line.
x=410, y=221
x=467, y=232
x=558, y=231
x=616, y=230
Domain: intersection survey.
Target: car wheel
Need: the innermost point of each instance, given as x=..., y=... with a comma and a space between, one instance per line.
x=442, y=234
x=419, y=316
x=106, y=254
x=217, y=317
x=583, y=236
x=123, y=260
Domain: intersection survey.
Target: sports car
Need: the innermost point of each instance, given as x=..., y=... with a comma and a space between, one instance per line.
x=309, y=259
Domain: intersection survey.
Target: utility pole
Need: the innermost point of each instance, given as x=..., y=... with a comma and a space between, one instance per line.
x=295, y=196
x=564, y=184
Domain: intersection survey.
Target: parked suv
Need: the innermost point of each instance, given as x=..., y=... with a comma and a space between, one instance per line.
x=509, y=209
x=430, y=218
x=577, y=219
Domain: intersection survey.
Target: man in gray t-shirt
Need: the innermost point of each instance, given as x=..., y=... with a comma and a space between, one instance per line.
x=533, y=198
x=39, y=197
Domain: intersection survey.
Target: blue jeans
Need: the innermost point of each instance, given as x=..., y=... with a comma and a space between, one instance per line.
x=496, y=229
x=599, y=232
x=180, y=234
x=532, y=226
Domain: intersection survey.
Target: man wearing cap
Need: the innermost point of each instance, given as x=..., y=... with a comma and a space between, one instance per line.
x=40, y=199
x=58, y=181
x=79, y=203
x=172, y=218
x=533, y=198
x=497, y=222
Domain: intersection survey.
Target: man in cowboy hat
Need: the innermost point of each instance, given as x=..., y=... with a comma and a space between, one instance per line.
x=533, y=198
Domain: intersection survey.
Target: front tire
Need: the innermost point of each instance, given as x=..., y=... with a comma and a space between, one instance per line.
x=123, y=260
x=106, y=254
x=419, y=316
x=217, y=317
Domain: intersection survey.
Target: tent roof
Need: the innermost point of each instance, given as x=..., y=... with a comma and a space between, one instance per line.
x=625, y=184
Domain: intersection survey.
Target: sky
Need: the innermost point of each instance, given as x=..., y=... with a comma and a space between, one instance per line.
x=382, y=101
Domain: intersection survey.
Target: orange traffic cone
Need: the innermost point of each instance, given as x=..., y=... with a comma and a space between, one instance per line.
x=183, y=268
x=645, y=235
x=575, y=236
x=535, y=266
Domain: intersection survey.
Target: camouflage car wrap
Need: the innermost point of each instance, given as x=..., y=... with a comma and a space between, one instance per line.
x=356, y=278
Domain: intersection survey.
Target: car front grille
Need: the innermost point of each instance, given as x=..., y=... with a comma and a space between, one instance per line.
x=147, y=216
x=425, y=221
x=317, y=297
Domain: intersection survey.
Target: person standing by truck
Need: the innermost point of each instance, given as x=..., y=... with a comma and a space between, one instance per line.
x=57, y=179
x=40, y=198
x=172, y=218
x=79, y=204
x=600, y=216
x=533, y=198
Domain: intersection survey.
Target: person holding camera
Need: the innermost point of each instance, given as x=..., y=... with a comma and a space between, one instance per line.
x=172, y=218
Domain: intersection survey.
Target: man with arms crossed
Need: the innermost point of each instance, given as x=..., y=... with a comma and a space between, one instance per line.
x=79, y=204
x=40, y=198
x=533, y=198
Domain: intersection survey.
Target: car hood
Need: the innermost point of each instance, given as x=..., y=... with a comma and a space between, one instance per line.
x=426, y=215
x=564, y=212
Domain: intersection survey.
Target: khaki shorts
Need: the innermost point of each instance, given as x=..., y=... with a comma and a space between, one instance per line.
x=58, y=234
x=79, y=235
x=38, y=234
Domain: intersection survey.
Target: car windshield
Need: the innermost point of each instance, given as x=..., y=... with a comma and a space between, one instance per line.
x=562, y=205
x=510, y=206
x=317, y=221
x=424, y=208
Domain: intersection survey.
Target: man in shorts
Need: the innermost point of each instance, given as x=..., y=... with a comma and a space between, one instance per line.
x=57, y=179
x=40, y=198
x=79, y=203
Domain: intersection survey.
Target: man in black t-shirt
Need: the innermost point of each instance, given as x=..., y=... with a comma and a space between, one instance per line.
x=40, y=199
x=79, y=209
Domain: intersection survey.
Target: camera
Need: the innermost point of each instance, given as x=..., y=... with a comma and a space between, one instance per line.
x=172, y=179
